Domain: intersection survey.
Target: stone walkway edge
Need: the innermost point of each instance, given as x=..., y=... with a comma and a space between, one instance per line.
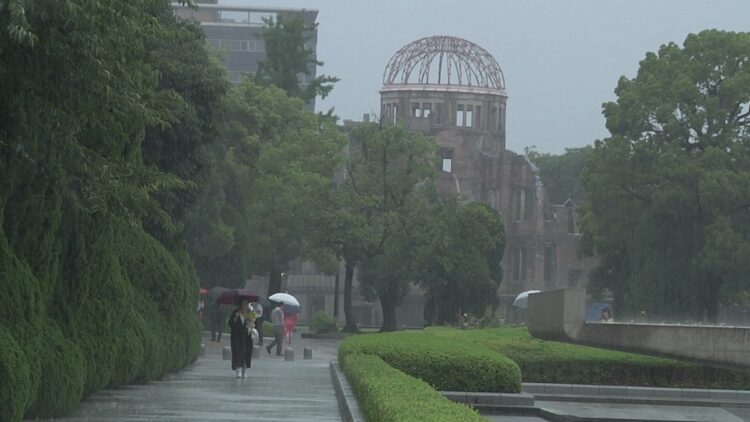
x=348, y=405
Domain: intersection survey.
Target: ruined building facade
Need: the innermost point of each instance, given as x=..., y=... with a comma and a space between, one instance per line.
x=454, y=90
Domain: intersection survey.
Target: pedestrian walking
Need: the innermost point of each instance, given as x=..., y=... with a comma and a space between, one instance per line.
x=290, y=321
x=216, y=317
x=241, y=323
x=277, y=319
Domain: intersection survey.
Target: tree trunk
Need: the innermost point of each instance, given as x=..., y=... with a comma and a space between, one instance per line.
x=388, y=305
x=274, y=282
x=351, y=322
x=336, y=293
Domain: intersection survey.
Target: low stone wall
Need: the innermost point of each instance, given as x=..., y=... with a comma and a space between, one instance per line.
x=730, y=345
x=560, y=314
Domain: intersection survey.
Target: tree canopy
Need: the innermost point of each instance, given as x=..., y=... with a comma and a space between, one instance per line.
x=105, y=109
x=288, y=57
x=561, y=174
x=669, y=190
x=457, y=259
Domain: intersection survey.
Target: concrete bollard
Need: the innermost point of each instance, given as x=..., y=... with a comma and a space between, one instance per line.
x=256, y=352
x=289, y=354
x=307, y=353
x=203, y=350
x=227, y=353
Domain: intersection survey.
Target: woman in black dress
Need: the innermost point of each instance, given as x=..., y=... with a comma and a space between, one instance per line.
x=241, y=323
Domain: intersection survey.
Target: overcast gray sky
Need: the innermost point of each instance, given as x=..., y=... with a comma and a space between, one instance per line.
x=561, y=59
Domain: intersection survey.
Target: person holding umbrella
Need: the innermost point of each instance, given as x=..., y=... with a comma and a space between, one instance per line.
x=241, y=323
x=291, y=313
x=277, y=319
x=216, y=321
x=216, y=312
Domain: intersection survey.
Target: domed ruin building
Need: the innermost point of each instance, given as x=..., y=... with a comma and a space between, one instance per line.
x=454, y=90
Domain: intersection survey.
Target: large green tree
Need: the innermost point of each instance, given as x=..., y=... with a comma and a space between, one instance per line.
x=669, y=190
x=275, y=165
x=387, y=168
x=90, y=252
x=457, y=257
x=561, y=174
x=289, y=57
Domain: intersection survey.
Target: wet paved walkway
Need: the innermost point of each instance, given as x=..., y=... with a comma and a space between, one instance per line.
x=276, y=390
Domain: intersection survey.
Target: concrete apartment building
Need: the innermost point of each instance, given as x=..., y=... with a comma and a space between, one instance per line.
x=237, y=32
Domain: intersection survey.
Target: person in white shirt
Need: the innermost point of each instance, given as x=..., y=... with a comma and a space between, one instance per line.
x=277, y=319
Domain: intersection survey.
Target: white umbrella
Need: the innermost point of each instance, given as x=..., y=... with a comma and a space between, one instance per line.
x=284, y=298
x=522, y=300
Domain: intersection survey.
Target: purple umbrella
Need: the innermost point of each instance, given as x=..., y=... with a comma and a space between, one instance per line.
x=233, y=297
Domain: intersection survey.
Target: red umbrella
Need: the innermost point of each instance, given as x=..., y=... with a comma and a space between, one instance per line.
x=234, y=296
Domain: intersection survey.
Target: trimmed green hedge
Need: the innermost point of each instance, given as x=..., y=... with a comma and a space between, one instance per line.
x=62, y=362
x=555, y=362
x=15, y=376
x=447, y=364
x=387, y=394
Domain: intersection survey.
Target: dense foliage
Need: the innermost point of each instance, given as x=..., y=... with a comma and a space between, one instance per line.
x=553, y=362
x=97, y=286
x=273, y=163
x=387, y=394
x=456, y=257
x=386, y=174
x=442, y=362
x=289, y=56
x=126, y=160
x=668, y=205
x=562, y=174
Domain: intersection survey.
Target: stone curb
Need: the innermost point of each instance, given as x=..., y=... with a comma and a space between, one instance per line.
x=348, y=406
x=623, y=393
x=490, y=399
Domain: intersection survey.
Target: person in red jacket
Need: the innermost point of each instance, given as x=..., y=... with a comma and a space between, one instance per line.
x=290, y=321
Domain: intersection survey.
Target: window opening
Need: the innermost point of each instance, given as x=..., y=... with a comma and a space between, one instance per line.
x=521, y=205
x=519, y=264
x=447, y=155
x=415, y=110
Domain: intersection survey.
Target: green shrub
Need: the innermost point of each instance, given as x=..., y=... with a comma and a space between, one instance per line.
x=323, y=322
x=267, y=329
x=64, y=377
x=20, y=324
x=446, y=364
x=554, y=362
x=387, y=394
x=15, y=378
